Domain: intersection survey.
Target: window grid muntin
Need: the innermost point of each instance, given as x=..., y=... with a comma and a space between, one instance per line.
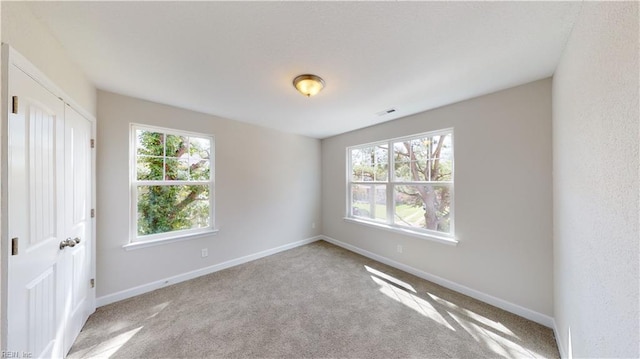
x=167, y=157
x=134, y=182
x=392, y=183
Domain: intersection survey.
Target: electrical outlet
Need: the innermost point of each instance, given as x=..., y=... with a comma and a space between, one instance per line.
x=313, y=225
x=399, y=248
x=205, y=252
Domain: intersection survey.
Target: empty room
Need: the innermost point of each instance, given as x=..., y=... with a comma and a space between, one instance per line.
x=320, y=179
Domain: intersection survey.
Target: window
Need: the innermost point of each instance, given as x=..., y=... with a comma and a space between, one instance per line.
x=404, y=184
x=171, y=183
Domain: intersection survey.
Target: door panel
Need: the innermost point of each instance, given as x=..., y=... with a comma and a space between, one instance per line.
x=41, y=172
x=77, y=220
x=35, y=197
x=41, y=294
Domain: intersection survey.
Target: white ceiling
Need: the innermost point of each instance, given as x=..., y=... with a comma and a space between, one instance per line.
x=237, y=59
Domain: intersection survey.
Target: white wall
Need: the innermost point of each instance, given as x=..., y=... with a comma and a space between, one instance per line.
x=502, y=196
x=25, y=33
x=595, y=140
x=267, y=193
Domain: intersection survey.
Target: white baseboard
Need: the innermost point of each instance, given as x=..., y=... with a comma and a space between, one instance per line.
x=540, y=318
x=132, y=292
x=489, y=299
x=559, y=341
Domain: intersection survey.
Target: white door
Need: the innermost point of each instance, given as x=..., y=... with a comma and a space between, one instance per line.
x=46, y=299
x=77, y=222
x=35, y=227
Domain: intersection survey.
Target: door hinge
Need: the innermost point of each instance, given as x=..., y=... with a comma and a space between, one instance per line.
x=92, y=282
x=14, y=106
x=93, y=213
x=93, y=143
x=14, y=246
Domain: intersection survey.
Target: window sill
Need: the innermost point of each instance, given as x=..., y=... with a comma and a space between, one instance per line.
x=156, y=242
x=431, y=237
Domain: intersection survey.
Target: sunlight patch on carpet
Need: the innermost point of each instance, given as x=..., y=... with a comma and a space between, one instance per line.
x=391, y=279
x=412, y=301
x=156, y=309
x=495, y=342
x=479, y=318
x=109, y=347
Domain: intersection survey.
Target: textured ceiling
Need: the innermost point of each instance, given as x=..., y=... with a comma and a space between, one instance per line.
x=237, y=59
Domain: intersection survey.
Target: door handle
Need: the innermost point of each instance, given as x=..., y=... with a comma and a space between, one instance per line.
x=69, y=242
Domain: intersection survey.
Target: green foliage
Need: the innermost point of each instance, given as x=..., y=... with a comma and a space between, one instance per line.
x=170, y=208
x=166, y=207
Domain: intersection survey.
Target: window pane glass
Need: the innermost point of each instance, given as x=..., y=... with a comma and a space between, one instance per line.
x=442, y=147
x=402, y=170
x=402, y=161
x=370, y=163
x=420, y=158
x=200, y=148
x=420, y=148
x=369, y=201
x=358, y=165
x=171, y=208
x=423, y=206
x=176, y=170
x=441, y=170
x=149, y=143
x=199, y=169
x=441, y=158
x=381, y=163
x=177, y=146
x=149, y=168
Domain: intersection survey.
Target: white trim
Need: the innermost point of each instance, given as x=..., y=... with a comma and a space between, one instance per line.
x=141, y=289
x=539, y=318
x=401, y=230
x=559, y=341
x=169, y=131
x=166, y=240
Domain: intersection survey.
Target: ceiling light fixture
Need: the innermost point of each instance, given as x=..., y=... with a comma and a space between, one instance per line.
x=308, y=85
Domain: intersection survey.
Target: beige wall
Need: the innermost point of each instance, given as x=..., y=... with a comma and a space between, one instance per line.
x=502, y=196
x=267, y=193
x=596, y=180
x=25, y=33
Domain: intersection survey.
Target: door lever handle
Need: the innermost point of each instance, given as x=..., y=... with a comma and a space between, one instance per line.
x=69, y=242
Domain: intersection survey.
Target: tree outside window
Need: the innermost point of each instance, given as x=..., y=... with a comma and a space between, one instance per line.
x=410, y=186
x=172, y=182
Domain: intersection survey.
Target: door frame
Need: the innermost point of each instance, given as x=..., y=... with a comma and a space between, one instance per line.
x=11, y=57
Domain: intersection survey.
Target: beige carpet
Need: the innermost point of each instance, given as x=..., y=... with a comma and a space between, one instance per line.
x=315, y=301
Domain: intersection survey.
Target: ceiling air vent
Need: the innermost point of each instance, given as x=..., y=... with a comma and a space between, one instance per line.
x=386, y=112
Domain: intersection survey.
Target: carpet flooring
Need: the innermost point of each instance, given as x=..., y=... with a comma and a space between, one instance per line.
x=314, y=301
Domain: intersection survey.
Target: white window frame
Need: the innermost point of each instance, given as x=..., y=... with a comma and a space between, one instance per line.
x=136, y=241
x=391, y=183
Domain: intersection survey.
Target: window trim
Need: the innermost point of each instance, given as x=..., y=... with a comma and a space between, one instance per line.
x=155, y=242
x=389, y=224
x=136, y=241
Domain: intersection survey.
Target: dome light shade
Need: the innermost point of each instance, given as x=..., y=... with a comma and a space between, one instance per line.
x=308, y=85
